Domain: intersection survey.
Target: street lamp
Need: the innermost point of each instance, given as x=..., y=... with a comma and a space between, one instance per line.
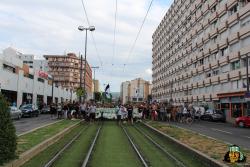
x=81, y=28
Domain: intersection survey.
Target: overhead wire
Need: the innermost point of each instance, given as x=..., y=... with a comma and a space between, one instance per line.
x=114, y=42
x=137, y=36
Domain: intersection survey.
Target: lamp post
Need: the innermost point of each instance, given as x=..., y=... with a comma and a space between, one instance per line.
x=96, y=67
x=81, y=28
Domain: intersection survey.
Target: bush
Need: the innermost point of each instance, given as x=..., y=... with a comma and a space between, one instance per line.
x=7, y=133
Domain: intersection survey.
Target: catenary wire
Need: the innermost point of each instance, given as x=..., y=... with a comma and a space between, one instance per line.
x=137, y=36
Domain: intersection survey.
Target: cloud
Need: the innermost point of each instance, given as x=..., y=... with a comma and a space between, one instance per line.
x=50, y=27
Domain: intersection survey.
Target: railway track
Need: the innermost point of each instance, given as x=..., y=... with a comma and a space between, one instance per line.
x=56, y=158
x=178, y=162
x=87, y=158
x=135, y=148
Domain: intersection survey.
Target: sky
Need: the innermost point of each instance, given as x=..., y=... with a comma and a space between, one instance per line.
x=42, y=27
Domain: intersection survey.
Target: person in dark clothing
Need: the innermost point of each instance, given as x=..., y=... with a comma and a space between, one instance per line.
x=130, y=113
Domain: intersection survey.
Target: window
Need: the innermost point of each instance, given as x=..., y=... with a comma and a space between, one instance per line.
x=224, y=51
x=234, y=9
x=213, y=9
x=201, y=61
x=40, y=80
x=235, y=65
x=215, y=72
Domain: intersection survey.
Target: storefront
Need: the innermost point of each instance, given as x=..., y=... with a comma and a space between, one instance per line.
x=27, y=98
x=232, y=104
x=11, y=96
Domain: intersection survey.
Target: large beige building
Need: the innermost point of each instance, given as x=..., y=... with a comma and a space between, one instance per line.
x=136, y=90
x=66, y=71
x=199, y=54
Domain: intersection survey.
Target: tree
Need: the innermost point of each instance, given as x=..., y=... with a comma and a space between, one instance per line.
x=80, y=92
x=98, y=96
x=7, y=133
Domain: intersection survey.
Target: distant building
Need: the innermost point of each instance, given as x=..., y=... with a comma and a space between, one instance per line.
x=96, y=84
x=136, y=90
x=65, y=70
x=41, y=65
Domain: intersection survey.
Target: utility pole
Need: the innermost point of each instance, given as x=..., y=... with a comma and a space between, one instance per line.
x=96, y=67
x=80, y=97
x=247, y=93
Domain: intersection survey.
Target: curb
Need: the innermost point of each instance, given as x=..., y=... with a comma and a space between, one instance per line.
x=26, y=156
x=208, y=161
x=32, y=130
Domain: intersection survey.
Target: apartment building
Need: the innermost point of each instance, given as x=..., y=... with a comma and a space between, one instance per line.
x=65, y=70
x=136, y=90
x=200, y=51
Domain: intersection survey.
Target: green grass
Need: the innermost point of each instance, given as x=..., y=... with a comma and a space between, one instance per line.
x=27, y=141
x=150, y=152
x=42, y=158
x=74, y=156
x=184, y=157
x=113, y=149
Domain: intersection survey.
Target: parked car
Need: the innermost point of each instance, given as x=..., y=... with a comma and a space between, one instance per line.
x=15, y=113
x=243, y=121
x=29, y=110
x=45, y=110
x=199, y=111
x=213, y=115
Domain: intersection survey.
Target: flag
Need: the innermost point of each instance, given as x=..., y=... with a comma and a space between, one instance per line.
x=107, y=88
x=107, y=92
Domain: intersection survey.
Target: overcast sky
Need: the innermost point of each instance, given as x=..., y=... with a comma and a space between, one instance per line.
x=50, y=27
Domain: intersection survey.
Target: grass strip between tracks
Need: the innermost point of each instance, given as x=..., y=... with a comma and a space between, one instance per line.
x=214, y=148
x=42, y=158
x=113, y=149
x=29, y=140
x=153, y=155
x=74, y=156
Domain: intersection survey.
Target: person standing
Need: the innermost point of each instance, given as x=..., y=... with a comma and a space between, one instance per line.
x=130, y=113
x=119, y=115
x=83, y=107
x=92, y=111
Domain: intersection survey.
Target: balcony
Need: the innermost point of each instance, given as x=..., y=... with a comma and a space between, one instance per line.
x=224, y=77
x=235, y=75
x=233, y=38
x=234, y=56
x=215, y=79
x=214, y=64
x=207, y=81
x=233, y=18
x=244, y=32
x=244, y=10
x=231, y=3
x=224, y=60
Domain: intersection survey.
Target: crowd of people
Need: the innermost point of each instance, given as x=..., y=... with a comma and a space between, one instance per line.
x=156, y=111
x=74, y=110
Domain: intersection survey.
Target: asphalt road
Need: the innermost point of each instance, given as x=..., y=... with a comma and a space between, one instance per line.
x=26, y=124
x=225, y=132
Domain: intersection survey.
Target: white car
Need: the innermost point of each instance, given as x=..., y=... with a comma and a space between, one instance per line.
x=15, y=113
x=199, y=111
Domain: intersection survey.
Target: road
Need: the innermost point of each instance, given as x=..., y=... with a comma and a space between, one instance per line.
x=225, y=132
x=26, y=124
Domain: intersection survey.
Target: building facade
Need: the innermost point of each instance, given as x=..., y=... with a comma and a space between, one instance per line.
x=21, y=85
x=200, y=51
x=65, y=70
x=136, y=90
x=96, y=86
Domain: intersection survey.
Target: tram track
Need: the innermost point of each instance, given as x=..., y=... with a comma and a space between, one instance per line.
x=87, y=158
x=167, y=153
x=135, y=148
x=53, y=159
